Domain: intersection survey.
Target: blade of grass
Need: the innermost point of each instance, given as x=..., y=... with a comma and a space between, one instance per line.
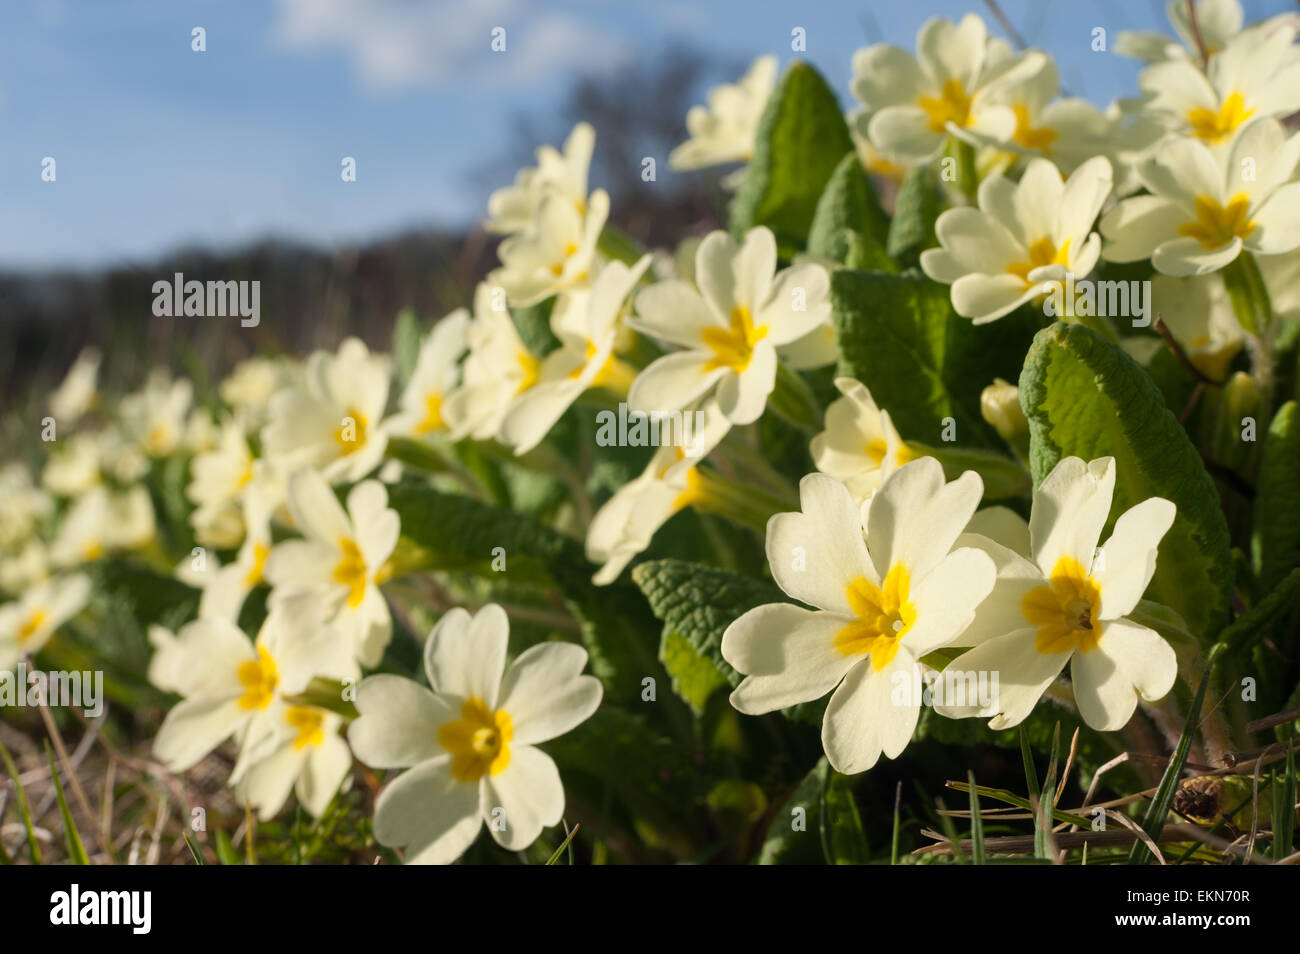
x=226, y=852
x=567, y=843
x=1031, y=774
x=24, y=810
x=1043, y=803
x=893, y=845
x=194, y=850
x=976, y=823
x=1011, y=798
x=1284, y=809
x=950, y=832
x=1153, y=822
x=76, y=849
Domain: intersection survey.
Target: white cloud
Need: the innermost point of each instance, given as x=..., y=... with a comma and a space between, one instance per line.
x=395, y=44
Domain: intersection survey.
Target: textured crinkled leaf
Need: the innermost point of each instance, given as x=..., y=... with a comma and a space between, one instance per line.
x=1254, y=624
x=1086, y=398
x=699, y=602
x=848, y=203
x=923, y=363
x=695, y=677
x=1276, y=540
x=800, y=139
x=915, y=210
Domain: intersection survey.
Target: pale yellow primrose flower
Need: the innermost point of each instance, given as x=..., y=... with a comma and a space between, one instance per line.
x=1207, y=207
x=436, y=375
x=880, y=605
x=294, y=748
x=860, y=446
x=724, y=130
x=155, y=417
x=25, y=505
x=1068, y=131
x=331, y=421
x=1219, y=21
x=27, y=624
x=74, y=466
x=249, y=388
x=469, y=744
x=24, y=566
x=585, y=359
x=556, y=253
x=497, y=367
x=514, y=207
x=77, y=393
x=627, y=522
x=226, y=587
x=101, y=521
x=342, y=557
x=731, y=329
x=235, y=687
x=1063, y=600
x=1023, y=238
x=218, y=479
x=1256, y=75
x=914, y=103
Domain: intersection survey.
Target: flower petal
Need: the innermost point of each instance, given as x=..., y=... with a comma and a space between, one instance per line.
x=530, y=791
x=465, y=655
x=863, y=718
x=545, y=692
x=816, y=553
x=787, y=654
x=426, y=811
x=398, y=725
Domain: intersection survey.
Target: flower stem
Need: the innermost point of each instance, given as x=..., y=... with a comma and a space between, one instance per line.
x=793, y=400
x=745, y=505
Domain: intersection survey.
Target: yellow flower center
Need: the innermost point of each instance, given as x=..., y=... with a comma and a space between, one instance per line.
x=254, y=575
x=1065, y=610
x=33, y=623
x=1042, y=252
x=1040, y=138
x=531, y=368
x=245, y=476
x=479, y=741
x=351, y=571
x=309, y=721
x=432, y=414
x=259, y=677
x=952, y=103
x=350, y=435
x=884, y=615
x=1216, y=224
x=92, y=550
x=159, y=439
x=558, y=268
x=734, y=347
x=1217, y=126
x=878, y=449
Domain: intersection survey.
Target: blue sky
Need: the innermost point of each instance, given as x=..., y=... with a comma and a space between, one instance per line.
x=158, y=146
